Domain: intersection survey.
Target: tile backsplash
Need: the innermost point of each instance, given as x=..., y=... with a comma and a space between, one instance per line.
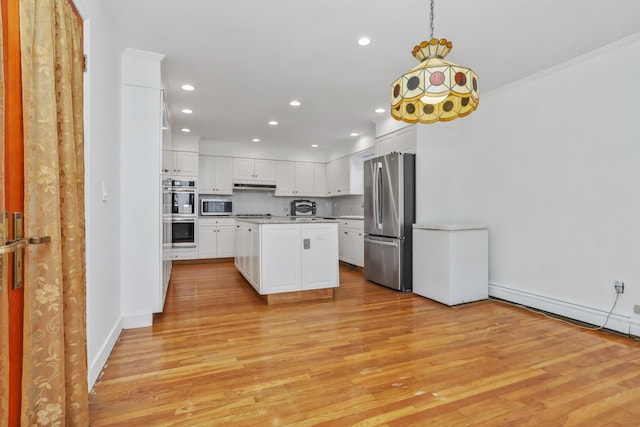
x=264, y=202
x=347, y=205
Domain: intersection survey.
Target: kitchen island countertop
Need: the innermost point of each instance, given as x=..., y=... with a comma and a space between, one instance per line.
x=286, y=220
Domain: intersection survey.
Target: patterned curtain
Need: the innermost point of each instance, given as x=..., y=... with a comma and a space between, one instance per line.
x=4, y=291
x=54, y=380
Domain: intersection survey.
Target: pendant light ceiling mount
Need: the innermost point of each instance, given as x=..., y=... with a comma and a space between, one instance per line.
x=436, y=89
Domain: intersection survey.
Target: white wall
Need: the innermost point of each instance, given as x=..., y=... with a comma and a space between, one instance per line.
x=552, y=165
x=102, y=165
x=140, y=188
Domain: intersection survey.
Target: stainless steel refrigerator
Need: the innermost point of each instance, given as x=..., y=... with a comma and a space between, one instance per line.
x=389, y=213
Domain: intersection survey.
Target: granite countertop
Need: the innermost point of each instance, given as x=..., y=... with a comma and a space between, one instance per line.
x=345, y=217
x=287, y=220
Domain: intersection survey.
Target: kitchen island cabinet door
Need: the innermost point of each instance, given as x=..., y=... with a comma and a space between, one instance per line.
x=280, y=258
x=320, y=246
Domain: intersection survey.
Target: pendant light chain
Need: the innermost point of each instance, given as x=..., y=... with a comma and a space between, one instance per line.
x=432, y=1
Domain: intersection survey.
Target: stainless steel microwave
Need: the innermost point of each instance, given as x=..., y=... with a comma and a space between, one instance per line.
x=215, y=207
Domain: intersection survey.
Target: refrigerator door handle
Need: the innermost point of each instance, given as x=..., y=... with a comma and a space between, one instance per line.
x=382, y=243
x=378, y=195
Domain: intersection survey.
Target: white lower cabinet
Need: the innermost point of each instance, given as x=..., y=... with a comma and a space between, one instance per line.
x=215, y=237
x=287, y=257
x=351, y=241
x=246, y=241
x=319, y=256
x=176, y=254
x=280, y=255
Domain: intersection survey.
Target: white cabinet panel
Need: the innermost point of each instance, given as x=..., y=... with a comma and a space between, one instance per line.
x=280, y=255
x=319, y=180
x=254, y=171
x=216, y=237
x=345, y=176
x=224, y=244
x=402, y=141
x=215, y=175
x=206, y=241
x=265, y=170
x=273, y=258
x=351, y=242
x=179, y=163
x=304, y=179
x=294, y=179
x=285, y=179
x=319, y=271
x=243, y=169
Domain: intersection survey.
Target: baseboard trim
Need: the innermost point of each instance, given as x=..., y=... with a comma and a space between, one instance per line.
x=584, y=314
x=137, y=321
x=97, y=364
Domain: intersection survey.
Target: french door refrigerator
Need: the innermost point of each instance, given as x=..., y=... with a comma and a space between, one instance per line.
x=389, y=213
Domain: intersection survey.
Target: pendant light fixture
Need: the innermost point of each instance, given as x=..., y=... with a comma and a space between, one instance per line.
x=435, y=90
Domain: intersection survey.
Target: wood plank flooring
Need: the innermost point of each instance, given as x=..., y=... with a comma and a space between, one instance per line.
x=220, y=356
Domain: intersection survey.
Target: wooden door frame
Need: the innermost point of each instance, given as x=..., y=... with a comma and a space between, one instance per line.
x=14, y=188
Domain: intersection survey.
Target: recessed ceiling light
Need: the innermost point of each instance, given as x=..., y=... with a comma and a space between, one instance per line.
x=187, y=111
x=295, y=103
x=380, y=110
x=314, y=145
x=273, y=123
x=188, y=87
x=185, y=130
x=353, y=134
x=364, y=41
x=256, y=140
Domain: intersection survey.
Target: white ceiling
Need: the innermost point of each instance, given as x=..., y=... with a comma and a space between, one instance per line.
x=249, y=58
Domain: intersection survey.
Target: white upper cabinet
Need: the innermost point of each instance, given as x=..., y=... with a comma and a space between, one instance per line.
x=319, y=180
x=402, y=141
x=345, y=176
x=179, y=163
x=254, y=171
x=304, y=179
x=215, y=175
x=294, y=179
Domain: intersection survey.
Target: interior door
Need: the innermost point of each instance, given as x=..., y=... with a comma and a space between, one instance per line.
x=13, y=172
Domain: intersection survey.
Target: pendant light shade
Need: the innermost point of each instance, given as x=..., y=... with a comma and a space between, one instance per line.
x=436, y=89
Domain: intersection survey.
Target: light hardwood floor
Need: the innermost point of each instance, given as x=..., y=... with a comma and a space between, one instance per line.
x=219, y=355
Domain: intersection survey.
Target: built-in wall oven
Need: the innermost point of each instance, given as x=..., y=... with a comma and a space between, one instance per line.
x=180, y=213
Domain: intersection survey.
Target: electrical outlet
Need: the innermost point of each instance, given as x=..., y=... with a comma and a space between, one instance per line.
x=619, y=286
x=636, y=309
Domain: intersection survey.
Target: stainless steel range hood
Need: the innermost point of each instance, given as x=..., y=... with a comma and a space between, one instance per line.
x=251, y=186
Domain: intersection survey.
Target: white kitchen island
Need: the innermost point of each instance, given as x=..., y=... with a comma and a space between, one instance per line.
x=288, y=259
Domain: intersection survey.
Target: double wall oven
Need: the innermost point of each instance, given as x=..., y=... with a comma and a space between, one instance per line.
x=180, y=212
